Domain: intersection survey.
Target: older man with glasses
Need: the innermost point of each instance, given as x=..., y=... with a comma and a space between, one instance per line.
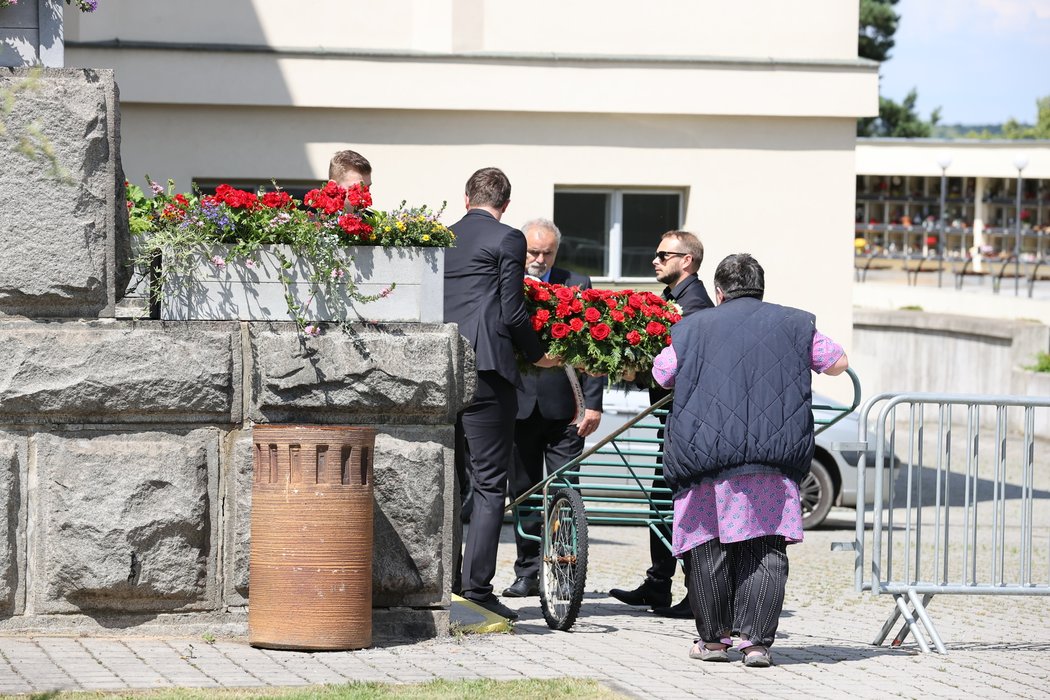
x=677, y=260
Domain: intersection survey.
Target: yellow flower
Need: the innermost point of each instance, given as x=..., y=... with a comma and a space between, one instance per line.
x=387, y=229
x=400, y=225
x=425, y=238
x=371, y=237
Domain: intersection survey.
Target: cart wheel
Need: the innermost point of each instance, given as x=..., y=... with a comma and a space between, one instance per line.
x=564, y=560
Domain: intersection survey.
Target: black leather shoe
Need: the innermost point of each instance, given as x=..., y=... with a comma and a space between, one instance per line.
x=650, y=593
x=493, y=605
x=680, y=610
x=523, y=587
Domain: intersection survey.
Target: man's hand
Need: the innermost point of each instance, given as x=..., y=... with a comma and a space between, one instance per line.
x=548, y=361
x=589, y=424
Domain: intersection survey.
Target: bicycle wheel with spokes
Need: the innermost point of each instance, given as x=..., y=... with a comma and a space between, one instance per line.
x=564, y=568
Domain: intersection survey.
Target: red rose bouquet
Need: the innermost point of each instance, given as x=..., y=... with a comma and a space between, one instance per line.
x=601, y=331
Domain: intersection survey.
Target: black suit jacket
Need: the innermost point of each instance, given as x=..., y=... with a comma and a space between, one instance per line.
x=484, y=293
x=549, y=388
x=692, y=296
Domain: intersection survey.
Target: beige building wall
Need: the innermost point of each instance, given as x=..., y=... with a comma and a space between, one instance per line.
x=748, y=110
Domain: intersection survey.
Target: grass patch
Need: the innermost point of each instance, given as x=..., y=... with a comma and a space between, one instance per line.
x=1042, y=362
x=556, y=689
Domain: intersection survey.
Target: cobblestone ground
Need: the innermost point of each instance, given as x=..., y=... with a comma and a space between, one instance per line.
x=998, y=646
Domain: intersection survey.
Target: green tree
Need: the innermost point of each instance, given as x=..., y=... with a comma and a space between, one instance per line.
x=1013, y=129
x=898, y=119
x=878, y=24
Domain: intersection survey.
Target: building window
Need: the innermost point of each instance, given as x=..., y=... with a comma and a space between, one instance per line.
x=612, y=234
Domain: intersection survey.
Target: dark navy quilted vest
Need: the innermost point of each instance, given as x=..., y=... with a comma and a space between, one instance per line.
x=742, y=398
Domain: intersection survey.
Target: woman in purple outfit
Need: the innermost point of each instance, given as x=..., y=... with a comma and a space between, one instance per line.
x=739, y=441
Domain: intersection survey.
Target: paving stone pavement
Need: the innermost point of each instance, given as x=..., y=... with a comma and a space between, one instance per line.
x=998, y=646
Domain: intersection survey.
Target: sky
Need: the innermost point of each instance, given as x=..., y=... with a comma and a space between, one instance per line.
x=980, y=61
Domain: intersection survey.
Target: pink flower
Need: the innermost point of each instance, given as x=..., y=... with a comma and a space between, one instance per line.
x=312, y=331
x=338, y=273
x=250, y=264
x=157, y=189
x=218, y=262
x=385, y=293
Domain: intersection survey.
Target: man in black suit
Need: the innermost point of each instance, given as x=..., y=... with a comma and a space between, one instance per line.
x=545, y=431
x=677, y=260
x=484, y=294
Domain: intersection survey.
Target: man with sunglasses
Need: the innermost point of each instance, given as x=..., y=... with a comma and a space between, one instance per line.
x=676, y=263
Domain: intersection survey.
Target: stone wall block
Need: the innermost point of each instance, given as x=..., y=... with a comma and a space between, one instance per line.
x=64, y=256
x=412, y=560
x=237, y=515
x=13, y=453
x=376, y=374
x=125, y=522
x=119, y=372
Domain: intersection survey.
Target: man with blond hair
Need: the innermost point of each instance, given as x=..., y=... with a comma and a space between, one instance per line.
x=348, y=168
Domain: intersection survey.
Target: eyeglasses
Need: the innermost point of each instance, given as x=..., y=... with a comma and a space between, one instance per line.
x=662, y=255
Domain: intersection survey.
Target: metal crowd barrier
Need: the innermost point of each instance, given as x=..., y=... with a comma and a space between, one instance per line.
x=961, y=516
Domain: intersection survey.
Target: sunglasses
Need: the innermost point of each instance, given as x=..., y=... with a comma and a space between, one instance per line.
x=662, y=255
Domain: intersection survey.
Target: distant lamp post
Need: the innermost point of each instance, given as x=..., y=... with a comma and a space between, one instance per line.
x=944, y=160
x=1020, y=162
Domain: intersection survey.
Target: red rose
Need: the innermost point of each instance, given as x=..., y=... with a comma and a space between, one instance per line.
x=354, y=227
x=667, y=340
x=543, y=315
x=653, y=299
x=234, y=198
x=617, y=316
x=576, y=305
x=559, y=330
x=537, y=324
x=629, y=311
x=564, y=293
x=600, y=331
x=634, y=337
x=635, y=300
x=610, y=302
x=542, y=294
x=576, y=324
x=358, y=196
x=674, y=318
x=277, y=200
x=562, y=310
x=655, y=328
x=592, y=314
x=591, y=295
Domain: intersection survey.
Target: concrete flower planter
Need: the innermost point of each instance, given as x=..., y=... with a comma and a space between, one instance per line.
x=31, y=34
x=238, y=292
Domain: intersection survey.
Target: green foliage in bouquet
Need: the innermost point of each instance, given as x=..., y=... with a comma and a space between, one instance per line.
x=601, y=331
x=178, y=228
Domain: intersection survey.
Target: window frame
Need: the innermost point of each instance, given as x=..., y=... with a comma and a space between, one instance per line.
x=614, y=234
